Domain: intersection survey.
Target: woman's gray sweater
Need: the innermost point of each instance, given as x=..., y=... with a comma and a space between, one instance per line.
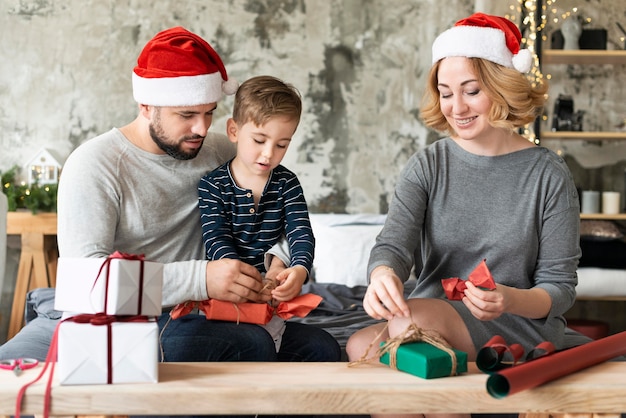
x=519, y=212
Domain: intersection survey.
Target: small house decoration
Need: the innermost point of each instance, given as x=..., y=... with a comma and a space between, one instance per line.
x=43, y=168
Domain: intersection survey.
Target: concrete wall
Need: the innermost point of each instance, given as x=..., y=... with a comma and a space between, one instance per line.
x=360, y=64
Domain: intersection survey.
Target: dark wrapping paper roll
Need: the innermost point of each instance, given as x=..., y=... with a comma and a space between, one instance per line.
x=545, y=369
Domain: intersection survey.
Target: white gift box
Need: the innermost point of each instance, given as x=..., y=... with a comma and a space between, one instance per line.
x=82, y=286
x=83, y=353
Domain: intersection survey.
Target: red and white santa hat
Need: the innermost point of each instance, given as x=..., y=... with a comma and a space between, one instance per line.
x=179, y=68
x=480, y=35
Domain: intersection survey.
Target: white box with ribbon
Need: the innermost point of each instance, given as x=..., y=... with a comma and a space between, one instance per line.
x=107, y=350
x=113, y=285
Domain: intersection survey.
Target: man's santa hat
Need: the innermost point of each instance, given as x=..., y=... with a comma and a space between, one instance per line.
x=179, y=68
x=493, y=38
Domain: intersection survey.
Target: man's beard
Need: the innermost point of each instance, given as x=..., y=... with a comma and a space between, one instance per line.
x=173, y=150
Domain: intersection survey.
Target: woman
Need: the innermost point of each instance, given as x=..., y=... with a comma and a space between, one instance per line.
x=483, y=193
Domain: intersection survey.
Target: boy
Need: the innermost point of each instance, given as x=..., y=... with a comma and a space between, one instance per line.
x=250, y=202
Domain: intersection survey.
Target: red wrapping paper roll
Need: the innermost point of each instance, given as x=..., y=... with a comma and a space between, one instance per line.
x=545, y=369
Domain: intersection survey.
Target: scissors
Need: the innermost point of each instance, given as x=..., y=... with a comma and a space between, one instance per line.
x=18, y=365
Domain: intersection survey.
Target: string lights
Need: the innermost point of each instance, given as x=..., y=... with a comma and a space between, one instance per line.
x=531, y=20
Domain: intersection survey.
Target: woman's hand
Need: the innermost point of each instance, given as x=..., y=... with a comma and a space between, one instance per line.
x=485, y=304
x=384, y=297
x=534, y=303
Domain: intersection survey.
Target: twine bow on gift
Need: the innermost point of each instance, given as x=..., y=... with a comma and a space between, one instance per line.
x=481, y=277
x=412, y=333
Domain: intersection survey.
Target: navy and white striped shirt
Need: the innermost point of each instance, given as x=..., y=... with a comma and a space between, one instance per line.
x=233, y=228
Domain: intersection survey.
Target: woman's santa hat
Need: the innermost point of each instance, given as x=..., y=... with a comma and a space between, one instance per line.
x=493, y=38
x=179, y=68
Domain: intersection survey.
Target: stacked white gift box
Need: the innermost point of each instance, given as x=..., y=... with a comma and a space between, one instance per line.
x=109, y=332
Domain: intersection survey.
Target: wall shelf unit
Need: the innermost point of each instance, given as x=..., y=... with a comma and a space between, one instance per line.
x=558, y=63
x=586, y=136
x=583, y=56
x=603, y=216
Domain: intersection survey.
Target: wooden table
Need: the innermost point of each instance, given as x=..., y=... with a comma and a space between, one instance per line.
x=316, y=388
x=38, y=259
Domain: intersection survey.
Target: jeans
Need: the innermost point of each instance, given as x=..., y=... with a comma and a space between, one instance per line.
x=193, y=338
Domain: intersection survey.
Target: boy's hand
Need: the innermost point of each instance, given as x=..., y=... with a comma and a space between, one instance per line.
x=290, y=281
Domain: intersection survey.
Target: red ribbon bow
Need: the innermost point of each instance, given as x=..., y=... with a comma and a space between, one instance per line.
x=481, y=277
x=104, y=319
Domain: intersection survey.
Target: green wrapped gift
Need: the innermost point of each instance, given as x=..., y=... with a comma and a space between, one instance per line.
x=425, y=360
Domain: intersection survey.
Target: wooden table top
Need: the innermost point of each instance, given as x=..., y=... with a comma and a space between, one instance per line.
x=315, y=388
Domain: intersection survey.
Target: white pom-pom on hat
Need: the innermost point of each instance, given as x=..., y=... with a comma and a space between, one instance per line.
x=523, y=61
x=480, y=35
x=230, y=86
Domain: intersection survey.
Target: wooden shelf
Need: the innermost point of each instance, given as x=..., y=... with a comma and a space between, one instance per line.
x=602, y=216
x=583, y=56
x=585, y=136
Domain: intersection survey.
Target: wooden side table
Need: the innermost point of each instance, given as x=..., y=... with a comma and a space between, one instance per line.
x=38, y=258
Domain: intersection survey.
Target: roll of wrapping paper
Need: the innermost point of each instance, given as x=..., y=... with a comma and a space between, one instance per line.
x=545, y=369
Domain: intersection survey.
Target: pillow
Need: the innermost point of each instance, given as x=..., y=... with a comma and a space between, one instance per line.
x=342, y=247
x=600, y=230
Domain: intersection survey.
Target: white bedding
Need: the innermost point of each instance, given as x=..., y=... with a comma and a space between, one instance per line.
x=594, y=282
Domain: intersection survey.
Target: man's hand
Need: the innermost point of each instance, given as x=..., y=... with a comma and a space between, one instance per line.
x=234, y=281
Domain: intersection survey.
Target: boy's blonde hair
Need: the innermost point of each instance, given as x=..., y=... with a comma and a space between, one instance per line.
x=515, y=101
x=261, y=98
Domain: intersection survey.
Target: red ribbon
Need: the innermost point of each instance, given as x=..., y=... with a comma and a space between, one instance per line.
x=496, y=354
x=254, y=313
x=481, y=277
x=107, y=263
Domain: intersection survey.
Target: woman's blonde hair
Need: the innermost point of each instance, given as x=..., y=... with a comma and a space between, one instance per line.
x=515, y=101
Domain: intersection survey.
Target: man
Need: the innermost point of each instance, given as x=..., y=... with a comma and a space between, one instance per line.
x=134, y=190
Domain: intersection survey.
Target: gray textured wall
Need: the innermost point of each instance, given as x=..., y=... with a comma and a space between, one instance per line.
x=360, y=64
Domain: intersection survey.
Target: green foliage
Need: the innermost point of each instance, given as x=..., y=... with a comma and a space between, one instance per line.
x=35, y=198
